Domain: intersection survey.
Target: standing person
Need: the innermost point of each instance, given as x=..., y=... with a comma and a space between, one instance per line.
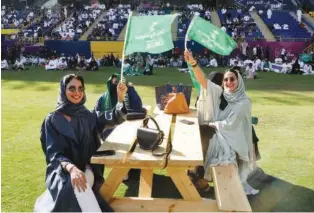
x=299, y=14
x=149, y=66
x=269, y=13
x=69, y=138
x=267, y=54
x=233, y=125
x=283, y=54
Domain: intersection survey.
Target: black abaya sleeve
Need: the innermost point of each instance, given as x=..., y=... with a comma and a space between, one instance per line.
x=53, y=145
x=111, y=118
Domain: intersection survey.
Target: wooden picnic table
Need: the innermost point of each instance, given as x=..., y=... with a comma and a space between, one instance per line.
x=186, y=154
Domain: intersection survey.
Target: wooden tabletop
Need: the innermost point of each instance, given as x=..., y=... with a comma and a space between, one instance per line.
x=186, y=151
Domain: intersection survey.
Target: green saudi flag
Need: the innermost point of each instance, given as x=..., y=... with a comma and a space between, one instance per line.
x=150, y=34
x=211, y=36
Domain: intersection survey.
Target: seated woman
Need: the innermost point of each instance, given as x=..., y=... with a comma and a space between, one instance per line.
x=69, y=138
x=296, y=68
x=93, y=66
x=232, y=143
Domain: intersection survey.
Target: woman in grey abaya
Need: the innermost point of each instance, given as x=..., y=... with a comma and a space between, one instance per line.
x=232, y=142
x=70, y=135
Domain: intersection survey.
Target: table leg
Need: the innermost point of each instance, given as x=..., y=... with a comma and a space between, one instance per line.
x=113, y=181
x=146, y=183
x=184, y=184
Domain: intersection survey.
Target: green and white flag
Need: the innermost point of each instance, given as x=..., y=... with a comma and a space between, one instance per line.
x=210, y=36
x=150, y=34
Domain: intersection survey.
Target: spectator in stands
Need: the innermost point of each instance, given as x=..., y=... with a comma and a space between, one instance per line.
x=283, y=53
x=312, y=38
x=223, y=11
x=18, y=65
x=230, y=124
x=299, y=15
x=72, y=182
x=4, y=64
x=269, y=13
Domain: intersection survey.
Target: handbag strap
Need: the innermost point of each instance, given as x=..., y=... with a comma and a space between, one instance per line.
x=169, y=148
x=145, y=122
x=166, y=154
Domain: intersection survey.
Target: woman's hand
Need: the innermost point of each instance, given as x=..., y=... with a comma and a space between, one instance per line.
x=188, y=57
x=78, y=179
x=121, y=89
x=212, y=125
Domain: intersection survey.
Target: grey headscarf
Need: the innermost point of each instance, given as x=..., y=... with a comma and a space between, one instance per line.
x=238, y=94
x=64, y=105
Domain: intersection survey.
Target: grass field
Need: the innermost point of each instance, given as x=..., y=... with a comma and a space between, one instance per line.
x=284, y=105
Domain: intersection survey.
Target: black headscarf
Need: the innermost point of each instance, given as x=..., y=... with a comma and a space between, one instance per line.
x=64, y=105
x=217, y=78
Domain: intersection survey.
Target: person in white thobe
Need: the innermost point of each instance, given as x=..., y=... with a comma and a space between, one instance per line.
x=4, y=64
x=307, y=69
x=269, y=13
x=299, y=15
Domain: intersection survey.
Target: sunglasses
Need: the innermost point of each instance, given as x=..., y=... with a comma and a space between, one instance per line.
x=231, y=79
x=74, y=89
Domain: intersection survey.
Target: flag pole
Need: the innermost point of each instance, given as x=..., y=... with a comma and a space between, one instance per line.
x=124, y=44
x=187, y=33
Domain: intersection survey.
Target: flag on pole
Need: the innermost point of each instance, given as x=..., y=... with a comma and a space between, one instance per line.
x=193, y=78
x=210, y=36
x=150, y=34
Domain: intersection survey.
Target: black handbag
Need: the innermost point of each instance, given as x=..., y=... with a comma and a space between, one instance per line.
x=147, y=138
x=150, y=139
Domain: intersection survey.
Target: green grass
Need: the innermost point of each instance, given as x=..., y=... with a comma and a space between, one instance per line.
x=284, y=105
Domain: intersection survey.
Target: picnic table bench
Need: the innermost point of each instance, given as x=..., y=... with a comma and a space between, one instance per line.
x=186, y=154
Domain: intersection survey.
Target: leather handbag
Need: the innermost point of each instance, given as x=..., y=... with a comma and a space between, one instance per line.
x=147, y=138
x=176, y=104
x=150, y=139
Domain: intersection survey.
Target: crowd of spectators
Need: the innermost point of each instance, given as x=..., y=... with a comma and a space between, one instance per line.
x=16, y=19
x=81, y=20
x=112, y=23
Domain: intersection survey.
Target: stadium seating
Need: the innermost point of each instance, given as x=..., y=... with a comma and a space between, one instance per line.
x=281, y=18
x=309, y=3
x=247, y=26
x=17, y=19
x=111, y=25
